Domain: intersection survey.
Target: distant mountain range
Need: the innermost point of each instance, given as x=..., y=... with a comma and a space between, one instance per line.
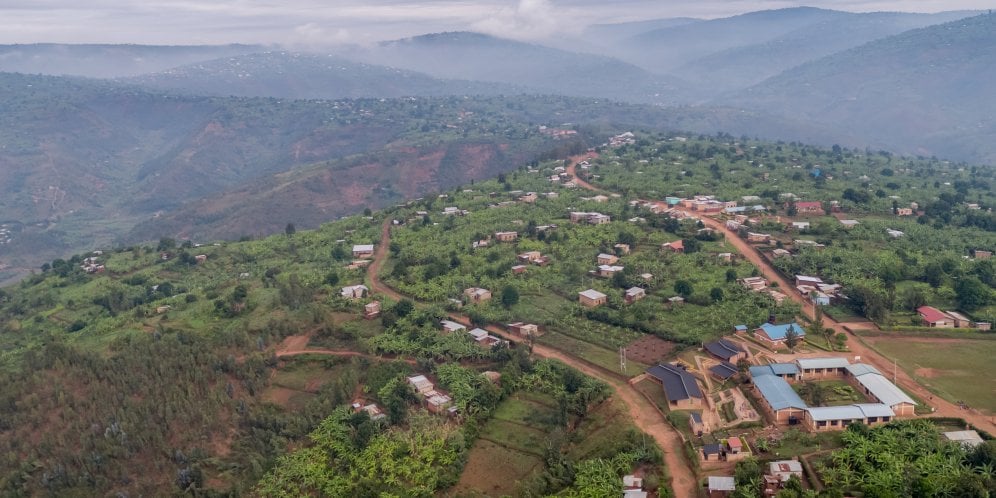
x=925, y=91
x=210, y=142
x=308, y=76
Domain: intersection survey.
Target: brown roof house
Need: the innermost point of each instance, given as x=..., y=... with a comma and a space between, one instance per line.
x=591, y=298
x=477, y=295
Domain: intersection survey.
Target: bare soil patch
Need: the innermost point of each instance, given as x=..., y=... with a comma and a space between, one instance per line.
x=928, y=373
x=649, y=349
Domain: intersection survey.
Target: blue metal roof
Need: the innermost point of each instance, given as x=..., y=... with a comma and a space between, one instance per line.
x=774, y=369
x=859, y=369
x=778, y=393
x=723, y=349
x=739, y=327
x=810, y=363
x=724, y=370
x=777, y=332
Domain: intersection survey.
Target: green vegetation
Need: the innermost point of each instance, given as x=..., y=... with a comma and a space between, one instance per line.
x=909, y=458
x=886, y=278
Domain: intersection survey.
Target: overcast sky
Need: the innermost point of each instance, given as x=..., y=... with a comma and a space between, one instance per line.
x=329, y=22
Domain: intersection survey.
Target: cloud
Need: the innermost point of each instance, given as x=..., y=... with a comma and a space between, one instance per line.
x=528, y=20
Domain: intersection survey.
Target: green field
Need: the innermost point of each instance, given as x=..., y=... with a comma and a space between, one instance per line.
x=958, y=370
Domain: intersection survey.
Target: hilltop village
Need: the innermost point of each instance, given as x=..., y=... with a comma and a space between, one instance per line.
x=657, y=316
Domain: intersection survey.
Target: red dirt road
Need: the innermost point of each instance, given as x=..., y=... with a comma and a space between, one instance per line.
x=943, y=408
x=644, y=415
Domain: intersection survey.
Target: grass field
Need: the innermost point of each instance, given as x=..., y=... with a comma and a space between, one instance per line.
x=596, y=354
x=958, y=370
x=494, y=470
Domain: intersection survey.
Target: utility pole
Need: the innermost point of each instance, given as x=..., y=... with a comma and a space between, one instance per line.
x=622, y=359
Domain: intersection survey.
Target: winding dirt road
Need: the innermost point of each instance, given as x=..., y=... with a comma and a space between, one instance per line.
x=643, y=413
x=943, y=408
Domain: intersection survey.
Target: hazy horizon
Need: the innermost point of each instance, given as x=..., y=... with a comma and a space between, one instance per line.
x=304, y=23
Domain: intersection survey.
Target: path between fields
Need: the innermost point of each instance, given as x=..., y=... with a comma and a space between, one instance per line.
x=942, y=407
x=296, y=345
x=644, y=415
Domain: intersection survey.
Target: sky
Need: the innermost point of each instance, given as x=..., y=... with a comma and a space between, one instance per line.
x=333, y=22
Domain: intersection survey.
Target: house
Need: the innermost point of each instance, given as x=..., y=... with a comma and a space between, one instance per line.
x=724, y=370
x=607, y=259
x=622, y=248
x=163, y=309
x=721, y=486
x=904, y=211
x=371, y=310
x=821, y=368
x=680, y=388
x=739, y=328
x=524, y=329
x=806, y=280
x=591, y=298
x=519, y=269
x=200, y=258
x=450, y=326
x=754, y=283
x=453, y=211
x=420, y=384
x=780, y=253
x=632, y=483
x=725, y=256
x=775, y=334
x=800, y=225
x=819, y=298
x=477, y=295
x=894, y=233
x=608, y=271
x=712, y=452
x=873, y=384
x=783, y=469
x=777, y=296
x=677, y=246
x=634, y=294
x=830, y=418
x=506, y=236
x=695, y=423
x=675, y=301
x=933, y=317
x=983, y=325
x=778, y=399
x=354, y=291
x=979, y=254
x=529, y=197
x=968, y=439
x=735, y=445
x=529, y=256
x=542, y=261
x=809, y=208
x=960, y=321
x=726, y=350
x=758, y=238
x=436, y=402
x=362, y=251
x=732, y=225
x=374, y=412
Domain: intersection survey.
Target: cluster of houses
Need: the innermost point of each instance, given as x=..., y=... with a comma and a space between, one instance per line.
x=760, y=284
x=777, y=475
x=92, y=264
x=480, y=336
x=707, y=204
x=529, y=258
x=626, y=138
x=933, y=317
x=476, y=295
x=353, y=292
x=435, y=401
x=772, y=383
x=819, y=292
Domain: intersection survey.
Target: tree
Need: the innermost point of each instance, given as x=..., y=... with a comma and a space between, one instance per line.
x=290, y=230
x=509, y=296
x=716, y=294
x=683, y=288
x=731, y=275
x=791, y=337
x=404, y=308
x=971, y=293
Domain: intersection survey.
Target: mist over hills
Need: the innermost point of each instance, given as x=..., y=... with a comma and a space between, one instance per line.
x=473, y=56
x=308, y=76
x=109, y=61
x=165, y=149
x=923, y=92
